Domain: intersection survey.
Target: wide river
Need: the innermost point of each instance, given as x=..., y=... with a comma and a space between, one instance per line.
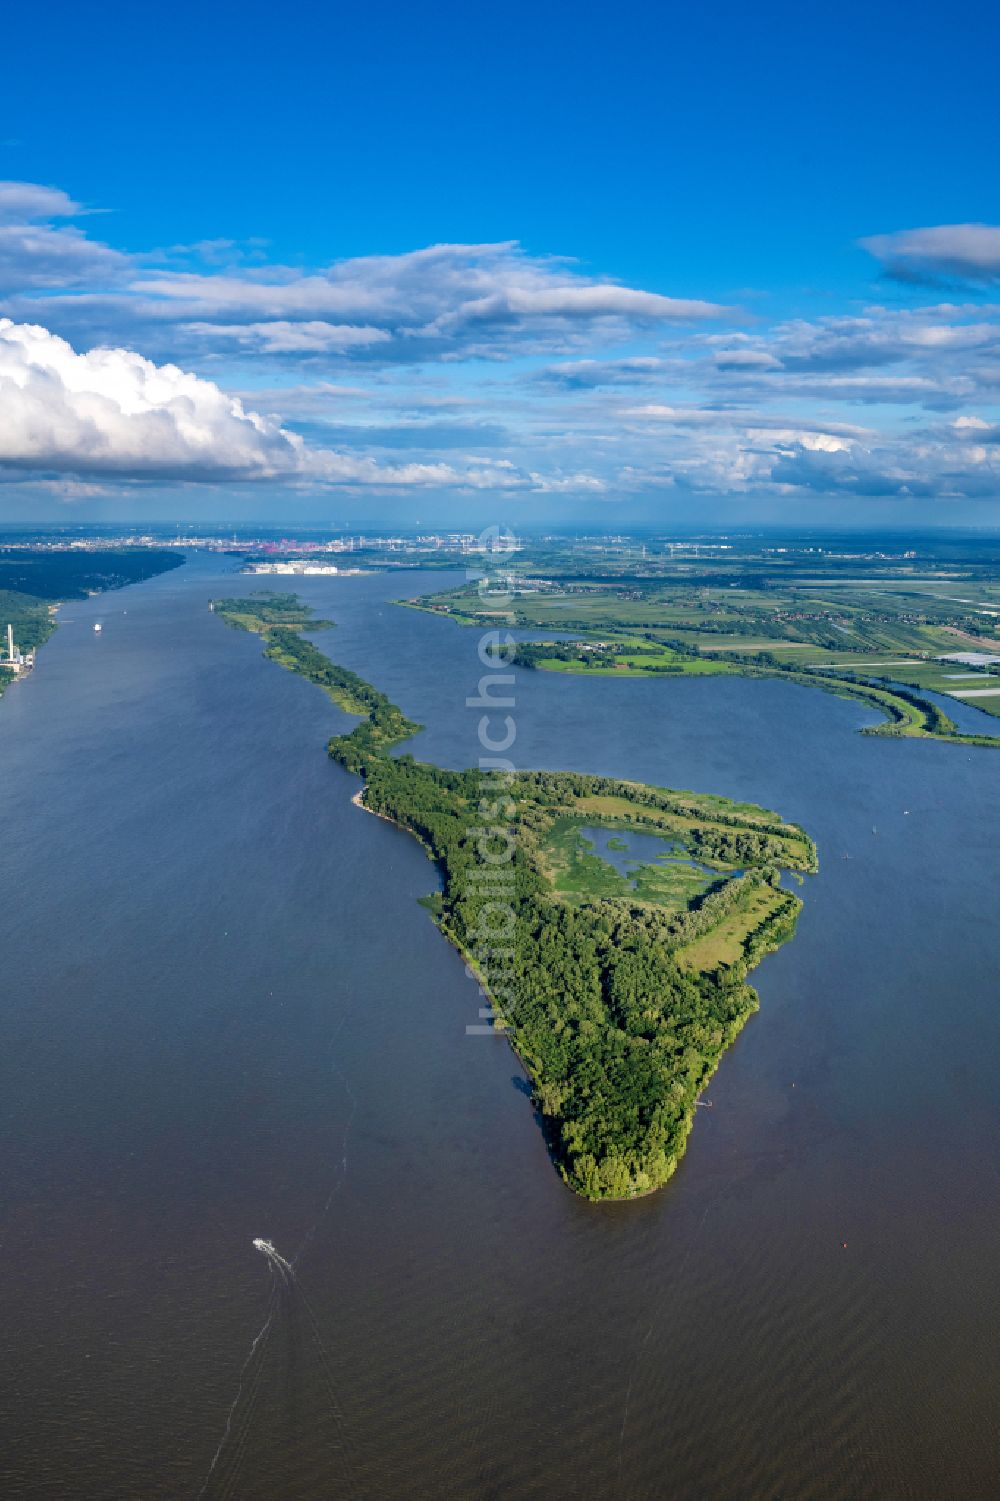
x=225, y=1015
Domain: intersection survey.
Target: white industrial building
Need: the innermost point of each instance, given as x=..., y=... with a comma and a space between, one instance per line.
x=16, y=660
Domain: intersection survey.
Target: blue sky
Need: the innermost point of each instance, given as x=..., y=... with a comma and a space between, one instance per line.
x=725, y=264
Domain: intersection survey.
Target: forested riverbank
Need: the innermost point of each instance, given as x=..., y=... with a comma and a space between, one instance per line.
x=33, y=581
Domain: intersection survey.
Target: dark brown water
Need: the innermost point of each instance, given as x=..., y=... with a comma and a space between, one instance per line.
x=224, y=1015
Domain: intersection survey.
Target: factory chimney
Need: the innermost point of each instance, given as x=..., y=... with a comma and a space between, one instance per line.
x=10, y=642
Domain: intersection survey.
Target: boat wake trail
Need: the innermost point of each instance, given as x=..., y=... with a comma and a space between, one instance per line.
x=285, y=1287
x=286, y=1292
x=277, y=1263
x=236, y=1434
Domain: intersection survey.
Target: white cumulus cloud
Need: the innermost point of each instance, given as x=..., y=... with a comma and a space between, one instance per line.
x=111, y=412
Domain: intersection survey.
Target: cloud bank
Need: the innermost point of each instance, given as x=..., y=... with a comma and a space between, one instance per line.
x=491, y=367
x=110, y=412
x=38, y=254
x=962, y=252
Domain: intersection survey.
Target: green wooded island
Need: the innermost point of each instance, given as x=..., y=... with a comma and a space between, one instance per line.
x=619, y=990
